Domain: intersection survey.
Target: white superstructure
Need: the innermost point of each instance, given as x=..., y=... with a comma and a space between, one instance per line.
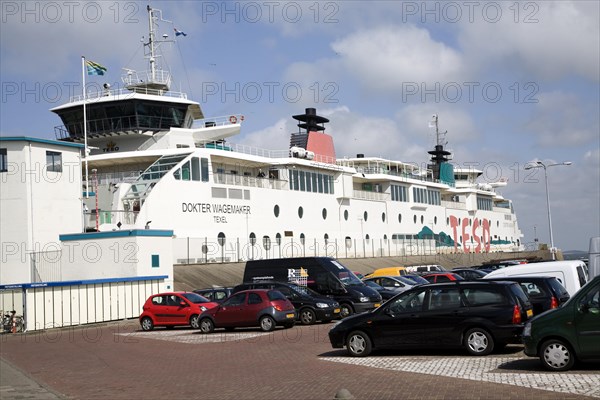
x=161, y=164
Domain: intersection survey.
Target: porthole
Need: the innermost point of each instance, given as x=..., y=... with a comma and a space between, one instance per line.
x=302, y=238
x=384, y=237
x=497, y=224
x=267, y=242
x=367, y=237
x=415, y=219
x=324, y=213
x=382, y=217
x=348, y=241
x=422, y=219
x=221, y=238
x=204, y=249
x=252, y=239
x=366, y=216
x=326, y=238
x=346, y=215
x=278, y=239
x=400, y=218
x=276, y=211
x=435, y=220
x=448, y=221
x=300, y=212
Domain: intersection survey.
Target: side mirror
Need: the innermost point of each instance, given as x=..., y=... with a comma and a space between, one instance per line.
x=583, y=307
x=183, y=304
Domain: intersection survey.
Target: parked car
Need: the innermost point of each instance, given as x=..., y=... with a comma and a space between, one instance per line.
x=489, y=267
x=386, y=294
x=174, y=309
x=477, y=315
x=387, y=271
x=310, y=305
x=396, y=283
x=418, y=279
x=469, y=274
x=567, y=334
x=258, y=307
x=572, y=274
x=545, y=292
x=425, y=269
x=216, y=294
x=442, y=277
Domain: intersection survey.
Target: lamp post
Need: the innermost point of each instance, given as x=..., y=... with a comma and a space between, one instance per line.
x=539, y=164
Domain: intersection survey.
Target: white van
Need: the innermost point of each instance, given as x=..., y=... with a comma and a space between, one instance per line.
x=571, y=274
x=425, y=268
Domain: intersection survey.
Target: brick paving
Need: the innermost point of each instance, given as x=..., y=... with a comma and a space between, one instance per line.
x=118, y=361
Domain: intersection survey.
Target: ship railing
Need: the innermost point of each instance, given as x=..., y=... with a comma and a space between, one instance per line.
x=125, y=217
x=221, y=120
x=250, y=181
x=102, y=94
x=502, y=210
x=369, y=195
x=118, y=177
x=158, y=76
x=454, y=205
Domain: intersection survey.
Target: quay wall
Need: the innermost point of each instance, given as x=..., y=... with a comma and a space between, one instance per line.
x=196, y=276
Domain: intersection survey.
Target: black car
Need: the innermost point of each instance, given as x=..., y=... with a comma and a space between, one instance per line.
x=310, y=305
x=469, y=274
x=476, y=315
x=545, y=292
x=386, y=294
x=215, y=294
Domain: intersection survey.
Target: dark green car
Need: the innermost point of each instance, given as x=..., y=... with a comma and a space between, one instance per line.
x=567, y=334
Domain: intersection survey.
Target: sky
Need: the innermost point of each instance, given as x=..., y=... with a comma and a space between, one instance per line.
x=512, y=82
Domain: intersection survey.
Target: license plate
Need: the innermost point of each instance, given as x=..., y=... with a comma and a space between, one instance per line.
x=529, y=313
x=377, y=305
x=289, y=315
x=336, y=311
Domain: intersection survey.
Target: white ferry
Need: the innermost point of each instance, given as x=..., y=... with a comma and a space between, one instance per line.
x=154, y=160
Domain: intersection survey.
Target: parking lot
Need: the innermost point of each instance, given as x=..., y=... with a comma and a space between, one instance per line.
x=118, y=360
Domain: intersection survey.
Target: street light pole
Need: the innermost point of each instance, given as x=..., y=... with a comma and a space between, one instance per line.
x=539, y=164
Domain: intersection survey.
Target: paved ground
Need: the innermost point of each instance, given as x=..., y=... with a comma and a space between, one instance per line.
x=118, y=361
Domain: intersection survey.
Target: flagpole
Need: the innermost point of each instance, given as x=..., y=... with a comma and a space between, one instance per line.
x=85, y=146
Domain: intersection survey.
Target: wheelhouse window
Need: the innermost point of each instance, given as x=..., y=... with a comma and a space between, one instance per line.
x=3, y=161
x=54, y=161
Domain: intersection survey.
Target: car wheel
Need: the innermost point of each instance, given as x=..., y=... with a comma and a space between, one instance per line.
x=267, y=323
x=195, y=321
x=147, y=324
x=307, y=316
x=358, y=344
x=345, y=310
x=479, y=342
x=556, y=355
x=206, y=325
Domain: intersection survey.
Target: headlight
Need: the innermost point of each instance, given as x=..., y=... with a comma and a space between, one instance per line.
x=322, y=305
x=527, y=329
x=364, y=299
x=203, y=308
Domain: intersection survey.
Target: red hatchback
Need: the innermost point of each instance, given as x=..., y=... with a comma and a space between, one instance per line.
x=258, y=307
x=173, y=309
x=443, y=277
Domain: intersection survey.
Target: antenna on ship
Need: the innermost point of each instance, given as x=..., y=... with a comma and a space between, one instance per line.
x=156, y=80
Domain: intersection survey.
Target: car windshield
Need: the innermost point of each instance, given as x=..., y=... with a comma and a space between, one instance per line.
x=346, y=276
x=416, y=279
x=195, y=298
x=373, y=285
x=557, y=287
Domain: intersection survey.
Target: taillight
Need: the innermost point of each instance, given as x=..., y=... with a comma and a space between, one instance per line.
x=516, y=319
x=553, y=302
x=278, y=307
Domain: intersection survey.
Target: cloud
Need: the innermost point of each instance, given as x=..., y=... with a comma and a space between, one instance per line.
x=549, y=39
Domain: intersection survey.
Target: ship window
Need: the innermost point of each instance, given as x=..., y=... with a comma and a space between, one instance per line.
x=54, y=161
x=325, y=184
x=246, y=195
x=300, y=212
x=382, y=217
x=235, y=194
x=326, y=238
x=435, y=220
x=219, y=193
x=302, y=238
x=3, y=161
x=314, y=182
x=368, y=237
x=366, y=216
x=177, y=174
x=267, y=243
x=252, y=238
x=348, y=242
x=308, y=182
x=195, y=169
x=278, y=239
x=385, y=237
x=324, y=213
x=320, y=177
x=422, y=219
x=185, y=171
x=400, y=218
x=221, y=239
x=346, y=215
x=204, y=169
x=276, y=210
x=302, y=181
x=415, y=219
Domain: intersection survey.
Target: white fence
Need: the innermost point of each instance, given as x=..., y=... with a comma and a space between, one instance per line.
x=60, y=304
